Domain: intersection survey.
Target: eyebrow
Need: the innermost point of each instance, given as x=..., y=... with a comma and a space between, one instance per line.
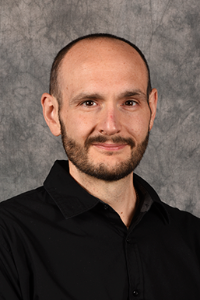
x=85, y=96
x=131, y=93
x=93, y=96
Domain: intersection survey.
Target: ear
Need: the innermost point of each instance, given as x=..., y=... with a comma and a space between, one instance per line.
x=153, y=97
x=50, y=112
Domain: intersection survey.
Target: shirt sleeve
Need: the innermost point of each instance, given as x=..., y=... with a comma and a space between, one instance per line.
x=9, y=281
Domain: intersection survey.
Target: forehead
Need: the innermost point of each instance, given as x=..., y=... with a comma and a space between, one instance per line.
x=101, y=56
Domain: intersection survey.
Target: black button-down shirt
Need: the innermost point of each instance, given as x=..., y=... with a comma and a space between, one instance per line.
x=58, y=242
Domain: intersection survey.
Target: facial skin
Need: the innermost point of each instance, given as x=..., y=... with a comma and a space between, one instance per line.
x=104, y=118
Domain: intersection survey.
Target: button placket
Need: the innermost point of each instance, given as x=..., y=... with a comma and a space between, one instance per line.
x=134, y=267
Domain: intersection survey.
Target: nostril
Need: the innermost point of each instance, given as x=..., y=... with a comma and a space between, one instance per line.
x=102, y=131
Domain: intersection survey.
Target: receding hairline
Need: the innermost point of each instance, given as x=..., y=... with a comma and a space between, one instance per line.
x=54, y=87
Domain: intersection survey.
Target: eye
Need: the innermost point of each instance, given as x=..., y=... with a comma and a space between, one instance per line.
x=89, y=103
x=130, y=103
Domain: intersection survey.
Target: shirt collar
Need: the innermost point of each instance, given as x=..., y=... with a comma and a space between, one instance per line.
x=72, y=199
x=151, y=198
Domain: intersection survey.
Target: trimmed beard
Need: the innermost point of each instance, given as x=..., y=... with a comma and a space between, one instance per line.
x=79, y=156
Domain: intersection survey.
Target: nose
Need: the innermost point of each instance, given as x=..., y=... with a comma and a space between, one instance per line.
x=109, y=123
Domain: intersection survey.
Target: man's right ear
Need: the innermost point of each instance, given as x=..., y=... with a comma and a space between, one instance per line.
x=50, y=111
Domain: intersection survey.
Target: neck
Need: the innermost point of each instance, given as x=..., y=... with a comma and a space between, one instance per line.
x=120, y=194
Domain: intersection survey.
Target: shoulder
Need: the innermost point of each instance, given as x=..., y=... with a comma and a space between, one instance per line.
x=180, y=217
x=22, y=214
x=176, y=218
x=21, y=207
x=174, y=212
x=184, y=228
x=27, y=199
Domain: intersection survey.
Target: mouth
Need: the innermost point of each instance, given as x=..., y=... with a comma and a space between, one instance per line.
x=109, y=147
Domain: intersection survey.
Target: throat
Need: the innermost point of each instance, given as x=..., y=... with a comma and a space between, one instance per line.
x=131, y=212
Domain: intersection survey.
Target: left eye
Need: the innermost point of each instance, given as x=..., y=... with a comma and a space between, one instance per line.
x=89, y=103
x=130, y=103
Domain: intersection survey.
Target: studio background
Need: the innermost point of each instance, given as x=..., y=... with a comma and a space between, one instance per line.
x=32, y=32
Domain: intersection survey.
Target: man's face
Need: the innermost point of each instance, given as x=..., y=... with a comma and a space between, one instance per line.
x=105, y=116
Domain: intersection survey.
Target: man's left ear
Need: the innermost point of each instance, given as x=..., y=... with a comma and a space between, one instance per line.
x=153, y=97
x=50, y=111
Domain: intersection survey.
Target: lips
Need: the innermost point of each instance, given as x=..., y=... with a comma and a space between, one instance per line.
x=109, y=147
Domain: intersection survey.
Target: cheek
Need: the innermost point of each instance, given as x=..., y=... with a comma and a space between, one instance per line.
x=138, y=126
x=79, y=126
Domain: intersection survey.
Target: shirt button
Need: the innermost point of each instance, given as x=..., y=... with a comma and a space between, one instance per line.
x=128, y=240
x=105, y=206
x=135, y=293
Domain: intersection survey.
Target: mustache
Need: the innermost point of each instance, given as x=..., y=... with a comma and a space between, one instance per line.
x=104, y=139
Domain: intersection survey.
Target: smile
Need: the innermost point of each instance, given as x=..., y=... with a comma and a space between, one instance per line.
x=110, y=147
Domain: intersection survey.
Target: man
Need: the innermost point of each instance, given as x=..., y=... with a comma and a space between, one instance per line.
x=95, y=230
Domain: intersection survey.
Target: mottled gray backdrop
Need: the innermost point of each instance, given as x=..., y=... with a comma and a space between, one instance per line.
x=168, y=32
